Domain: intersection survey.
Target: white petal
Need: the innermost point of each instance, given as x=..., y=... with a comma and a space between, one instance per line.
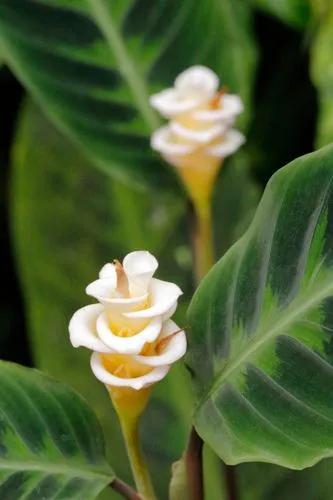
x=161, y=141
x=174, y=349
x=82, y=328
x=230, y=106
x=127, y=345
x=170, y=102
x=139, y=268
x=197, y=80
x=103, y=291
x=232, y=140
x=163, y=295
x=109, y=271
x=135, y=383
x=200, y=136
x=102, y=288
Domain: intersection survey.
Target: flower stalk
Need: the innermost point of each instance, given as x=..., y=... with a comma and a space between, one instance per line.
x=129, y=427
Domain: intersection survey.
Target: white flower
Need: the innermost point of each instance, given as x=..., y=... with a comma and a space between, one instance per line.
x=130, y=330
x=200, y=116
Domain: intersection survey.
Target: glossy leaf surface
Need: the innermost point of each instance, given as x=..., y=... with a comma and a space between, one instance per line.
x=261, y=338
x=51, y=445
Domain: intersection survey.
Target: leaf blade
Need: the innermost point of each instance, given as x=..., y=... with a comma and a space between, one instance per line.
x=43, y=449
x=263, y=312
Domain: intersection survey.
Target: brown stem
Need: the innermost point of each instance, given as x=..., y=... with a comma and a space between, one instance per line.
x=231, y=482
x=124, y=490
x=193, y=458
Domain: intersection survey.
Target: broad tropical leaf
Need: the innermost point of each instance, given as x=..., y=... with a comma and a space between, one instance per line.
x=51, y=445
x=261, y=337
x=93, y=63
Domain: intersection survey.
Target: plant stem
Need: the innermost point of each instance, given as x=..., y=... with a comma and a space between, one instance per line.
x=124, y=490
x=203, y=239
x=231, y=482
x=138, y=465
x=193, y=460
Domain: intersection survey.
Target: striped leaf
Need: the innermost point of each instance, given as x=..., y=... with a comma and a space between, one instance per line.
x=261, y=341
x=51, y=445
x=92, y=64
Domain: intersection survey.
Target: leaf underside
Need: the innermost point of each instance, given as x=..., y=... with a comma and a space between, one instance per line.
x=92, y=65
x=51, y=445
x=261, y=348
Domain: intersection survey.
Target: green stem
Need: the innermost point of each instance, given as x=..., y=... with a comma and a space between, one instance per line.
x=139, y=468
x=203, y=239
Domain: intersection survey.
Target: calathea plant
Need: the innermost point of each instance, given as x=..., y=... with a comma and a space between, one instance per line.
x=255, y=332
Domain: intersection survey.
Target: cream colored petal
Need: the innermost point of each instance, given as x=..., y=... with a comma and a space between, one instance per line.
x=135, y=383
x=162, y=141
x=170, y=102
x=139, y=268
x=127, y=345
x=109, y=271
x=197, y=80
x=82, y=328
x=199, y=136
x=230, y=106
x=102, y=289
x=173, y=350
x=163, y=295
x=231, y=141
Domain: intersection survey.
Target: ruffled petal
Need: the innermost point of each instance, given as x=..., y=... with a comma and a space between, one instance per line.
x=139, y=268
x=162, y=141
x=232, y=140
x=197, y=80
x=230, y=106
x=102, y=289
x=202, y=136
x=170, y=102
x=127, y=345
x=82, y=328
x=163, y=296
x=137, y=383
x=174, y=349
x=109, y=271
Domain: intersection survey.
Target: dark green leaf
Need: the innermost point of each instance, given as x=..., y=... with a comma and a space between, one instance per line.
x=261, y=337
x=93, y=63
x=51, y=445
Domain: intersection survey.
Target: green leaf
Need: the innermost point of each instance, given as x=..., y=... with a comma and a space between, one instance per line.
x=92, y=65
x=322, y=71
x=51, y=445
x=296, y=13
x=261, y=328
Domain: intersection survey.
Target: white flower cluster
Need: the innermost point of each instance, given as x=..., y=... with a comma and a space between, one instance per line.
x=130, y=330
x=201, y=118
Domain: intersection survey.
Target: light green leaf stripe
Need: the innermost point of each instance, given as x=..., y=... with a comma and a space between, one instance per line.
x=51, y=445
x=92, y=65
x=261, y=338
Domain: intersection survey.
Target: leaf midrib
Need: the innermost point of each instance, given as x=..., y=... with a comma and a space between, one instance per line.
x=55, y=468
x=127, y=66
x=288, y=318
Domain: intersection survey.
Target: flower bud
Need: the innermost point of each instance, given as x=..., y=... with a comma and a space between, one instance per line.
x=199, y=134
